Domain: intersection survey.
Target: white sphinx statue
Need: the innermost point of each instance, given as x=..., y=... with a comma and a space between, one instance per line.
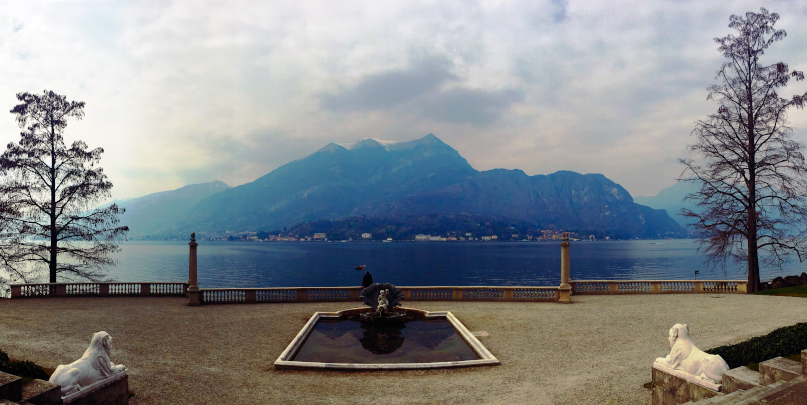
x=93, y=366
x=686, y=357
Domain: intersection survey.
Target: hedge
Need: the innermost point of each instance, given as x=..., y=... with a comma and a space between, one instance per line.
x=25, y=369
x=782, y=342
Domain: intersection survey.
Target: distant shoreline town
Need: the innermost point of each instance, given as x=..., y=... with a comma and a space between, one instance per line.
x=545, y=236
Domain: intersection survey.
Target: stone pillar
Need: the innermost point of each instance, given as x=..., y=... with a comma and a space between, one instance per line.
x=193, y=289
x=565, y=288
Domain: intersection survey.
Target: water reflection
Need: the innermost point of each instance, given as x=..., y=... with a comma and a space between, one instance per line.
x=382, y=339
x=415, y=341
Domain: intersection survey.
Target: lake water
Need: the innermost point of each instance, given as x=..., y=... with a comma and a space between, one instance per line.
x=321, y=264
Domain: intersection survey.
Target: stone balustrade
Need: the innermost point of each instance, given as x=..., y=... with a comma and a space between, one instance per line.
x=589, y=287
x=331, y=294
x=105, y=289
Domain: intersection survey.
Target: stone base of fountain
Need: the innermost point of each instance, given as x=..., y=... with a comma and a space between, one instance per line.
x=388, y=318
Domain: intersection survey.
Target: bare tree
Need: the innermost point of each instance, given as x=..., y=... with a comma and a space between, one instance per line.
x=49, y=191
x=750, y=171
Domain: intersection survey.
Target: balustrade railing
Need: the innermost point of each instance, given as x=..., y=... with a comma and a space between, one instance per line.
x=591, y=287
x=105, y=289
x=332, y=294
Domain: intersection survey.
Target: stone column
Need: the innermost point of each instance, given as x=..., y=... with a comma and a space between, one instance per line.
x=193, y=287
x=565, y=289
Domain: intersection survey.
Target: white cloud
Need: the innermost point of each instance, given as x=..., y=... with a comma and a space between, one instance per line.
x=187, y=91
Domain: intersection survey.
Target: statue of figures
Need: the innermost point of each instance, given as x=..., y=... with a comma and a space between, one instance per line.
x=383, y=304
x=686, y=357
x=93, y=366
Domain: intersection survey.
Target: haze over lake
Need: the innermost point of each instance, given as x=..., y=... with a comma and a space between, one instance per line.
x=321, y=264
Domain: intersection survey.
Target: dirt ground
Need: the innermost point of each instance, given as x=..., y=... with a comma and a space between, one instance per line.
x=597, y=350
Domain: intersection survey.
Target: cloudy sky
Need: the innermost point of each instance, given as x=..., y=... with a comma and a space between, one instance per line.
x=183, y=92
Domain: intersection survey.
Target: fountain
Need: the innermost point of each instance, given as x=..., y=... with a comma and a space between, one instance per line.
x=384, y=337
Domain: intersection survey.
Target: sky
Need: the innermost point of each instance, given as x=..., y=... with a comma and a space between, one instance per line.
x=185, y=92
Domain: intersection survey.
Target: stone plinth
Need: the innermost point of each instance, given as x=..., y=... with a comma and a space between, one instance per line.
x=740, y=378
x=778, y=369
x=39, y=392
x=10, y=387
x=672, y=387
x=110, y=391
x=804, y=362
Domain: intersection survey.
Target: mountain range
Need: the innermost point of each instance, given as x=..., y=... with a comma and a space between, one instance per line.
x=383, y=179
x=671, y=199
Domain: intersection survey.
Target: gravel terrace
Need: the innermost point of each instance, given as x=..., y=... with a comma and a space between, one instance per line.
x=598, y=350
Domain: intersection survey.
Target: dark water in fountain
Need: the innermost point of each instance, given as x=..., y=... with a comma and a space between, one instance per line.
x=416, y=341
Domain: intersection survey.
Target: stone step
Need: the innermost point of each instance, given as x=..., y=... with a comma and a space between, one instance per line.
x=10, y=387
x=792, y=392
x=740, y=378
x=778, y=369
x=734, y=397
x=39, y=392
x=762, y=392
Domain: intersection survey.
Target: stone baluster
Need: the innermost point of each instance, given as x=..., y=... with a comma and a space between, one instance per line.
x=565, y=289
x=193, y=289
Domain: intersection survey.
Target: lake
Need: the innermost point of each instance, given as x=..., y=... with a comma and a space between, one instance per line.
x=331, y=264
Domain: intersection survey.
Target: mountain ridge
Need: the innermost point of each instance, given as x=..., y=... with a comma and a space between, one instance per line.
x=379, y=178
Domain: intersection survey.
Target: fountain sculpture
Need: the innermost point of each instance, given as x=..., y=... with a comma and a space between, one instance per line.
x=383, y=298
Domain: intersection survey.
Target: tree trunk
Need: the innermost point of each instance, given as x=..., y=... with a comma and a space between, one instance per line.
x=53, y=240
x=753, y=264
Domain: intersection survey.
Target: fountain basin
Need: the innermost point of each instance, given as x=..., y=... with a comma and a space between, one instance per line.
x=340, y=341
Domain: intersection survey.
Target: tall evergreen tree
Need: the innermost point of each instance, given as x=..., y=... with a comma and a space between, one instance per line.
x=752, y=194
x=49, y=190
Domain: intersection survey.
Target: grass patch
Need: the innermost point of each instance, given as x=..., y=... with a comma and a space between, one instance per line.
x=797, y=291
x=785, y=342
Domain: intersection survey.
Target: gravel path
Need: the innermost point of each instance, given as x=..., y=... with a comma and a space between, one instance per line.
x=597, y=350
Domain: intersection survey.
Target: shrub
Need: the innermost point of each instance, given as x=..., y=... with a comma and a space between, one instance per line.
x=781, y=342
x=25, y=369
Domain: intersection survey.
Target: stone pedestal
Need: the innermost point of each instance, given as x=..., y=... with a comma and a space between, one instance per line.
x=565, y=291
x=672, y=387
x=804, y=362
x=110, y=391
x=194, y=295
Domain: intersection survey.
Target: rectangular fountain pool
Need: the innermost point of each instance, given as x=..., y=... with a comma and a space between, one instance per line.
x=341, y=341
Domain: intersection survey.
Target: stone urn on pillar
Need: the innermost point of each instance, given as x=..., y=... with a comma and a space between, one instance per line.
x=193, y=287
x=565, y=289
